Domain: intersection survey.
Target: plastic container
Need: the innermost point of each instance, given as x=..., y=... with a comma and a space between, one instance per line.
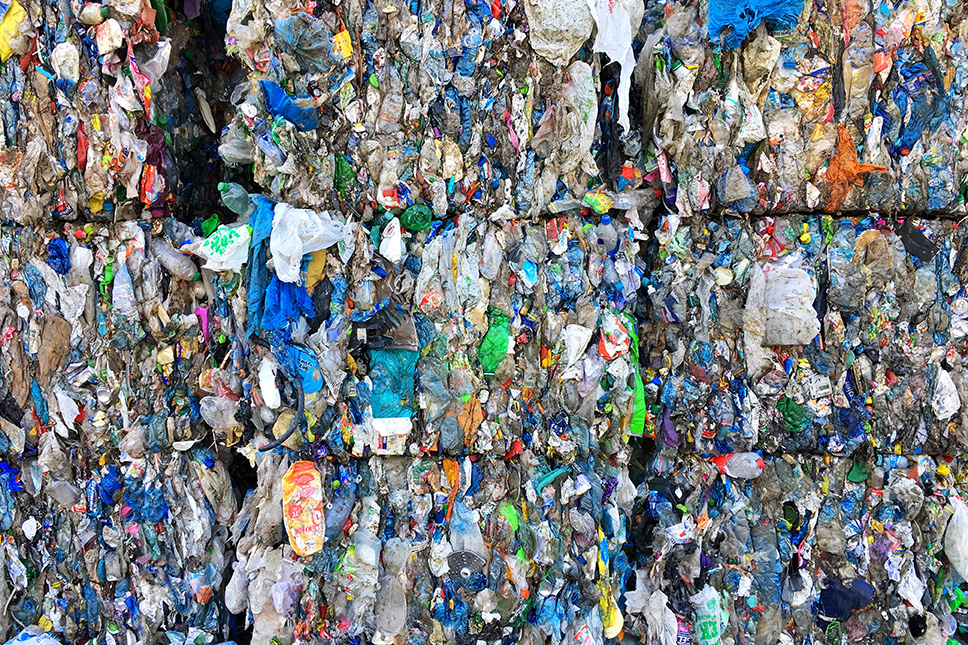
x=177, y=264
x=236, y=199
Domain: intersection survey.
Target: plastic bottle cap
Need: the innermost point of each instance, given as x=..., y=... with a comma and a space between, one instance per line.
x=222, y=186
x=606, y=220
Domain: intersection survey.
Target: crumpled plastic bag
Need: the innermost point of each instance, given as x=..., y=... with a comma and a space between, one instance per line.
x=787, y=304
x=618, y=22
x=956, y=539
x=237, y=589
x=558, y=27
x=711, y=617
x=845, y=171
x=296, y=232
x=280, y=103
x=308, y=41
x=286, y=591
x=226, y=249
x=33, y=635
x=732, y=22
x=945, y=401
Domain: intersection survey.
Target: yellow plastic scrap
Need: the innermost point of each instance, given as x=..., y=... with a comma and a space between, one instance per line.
x=9, y=28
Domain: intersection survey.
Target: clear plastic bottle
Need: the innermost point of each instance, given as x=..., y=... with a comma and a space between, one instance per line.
x=268, y=147
x=366, y=553
x=178, y=264
x=465, y=534
x=234, y=148
x=236, y=199
x=151, y=281
x=179, y=234
x=122, y=291
x=492, y=256
x=606, y=235
x=391, y=606
x=740, y=465
x=610, y=277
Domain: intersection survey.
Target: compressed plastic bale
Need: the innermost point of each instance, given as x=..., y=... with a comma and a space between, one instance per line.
x=467, y=120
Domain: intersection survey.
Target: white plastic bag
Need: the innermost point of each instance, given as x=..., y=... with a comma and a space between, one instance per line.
x=237, y=590
x=33, y=635
x=956, y=539
x=296, y=232
x=779, y=311
x=66, y=61
x=945, y=401
x=392, y=246
x=618, y=22
x=226, y=249
x=267, y=384
x=711, y=618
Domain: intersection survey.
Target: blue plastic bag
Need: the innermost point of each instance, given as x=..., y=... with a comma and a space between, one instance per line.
x=279, y=103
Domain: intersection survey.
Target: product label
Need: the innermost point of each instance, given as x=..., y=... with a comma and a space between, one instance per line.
x=584, y=636
x=302, y=499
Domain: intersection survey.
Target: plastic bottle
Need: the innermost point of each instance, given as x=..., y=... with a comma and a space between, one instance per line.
x=341, y=504
x=122, y=292
x=178, y=234
x=366, y=549
x=236, y=199
x=606, y=235
x=268, y=147
x=741, y=465
x=858, y=69
x=178, y=264
x=93, y=13
x=151, y=281
x=391, y=606
x=234, y=148
x=492, y=256
x=466, y=532
x=610, y=277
